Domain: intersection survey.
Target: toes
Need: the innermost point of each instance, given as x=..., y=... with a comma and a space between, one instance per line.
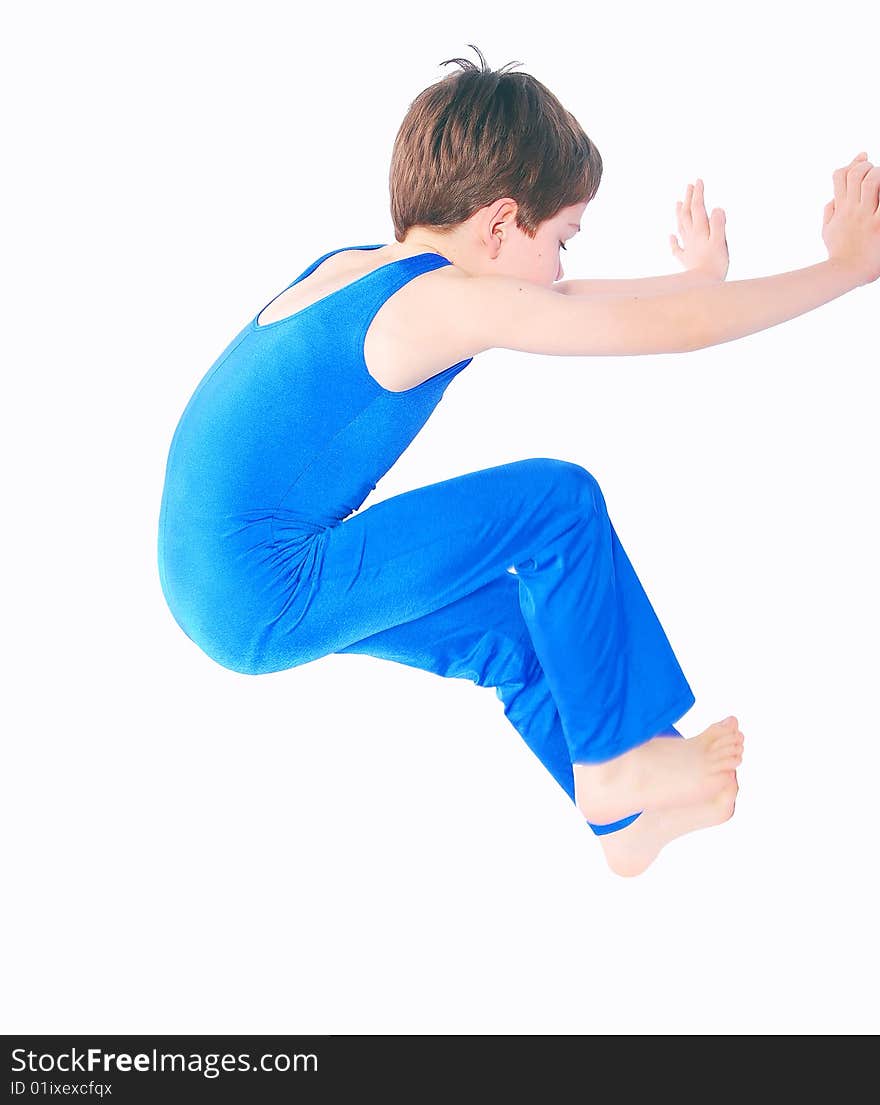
x=724, y=746
x=725, y=802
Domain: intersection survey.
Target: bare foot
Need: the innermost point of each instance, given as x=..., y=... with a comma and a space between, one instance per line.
x=631, y=850
x=662, y=773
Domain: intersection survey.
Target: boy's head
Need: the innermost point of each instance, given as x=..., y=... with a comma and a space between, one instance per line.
x=497, y=151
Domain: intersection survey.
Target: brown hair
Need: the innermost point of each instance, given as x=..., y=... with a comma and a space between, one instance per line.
x=478, y=135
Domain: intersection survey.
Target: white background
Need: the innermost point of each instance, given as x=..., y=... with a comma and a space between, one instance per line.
x=355, y=846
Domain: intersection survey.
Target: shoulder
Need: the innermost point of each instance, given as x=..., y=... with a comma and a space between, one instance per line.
x=429, y=312
x=475, y=312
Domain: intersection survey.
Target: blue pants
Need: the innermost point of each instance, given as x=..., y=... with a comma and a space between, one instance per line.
x=511, y=576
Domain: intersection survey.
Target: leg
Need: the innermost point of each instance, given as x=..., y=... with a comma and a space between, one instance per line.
x=484, y=637
x=608, y=665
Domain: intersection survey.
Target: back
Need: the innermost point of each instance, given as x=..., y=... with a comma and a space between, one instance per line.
x=286, y=434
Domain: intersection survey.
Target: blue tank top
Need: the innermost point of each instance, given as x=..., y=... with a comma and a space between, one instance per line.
x=286, y=434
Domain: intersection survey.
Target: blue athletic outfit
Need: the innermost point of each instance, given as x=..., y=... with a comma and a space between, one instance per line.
x=265, y=565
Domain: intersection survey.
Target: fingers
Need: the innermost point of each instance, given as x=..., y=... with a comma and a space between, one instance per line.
x=718, y=223
x=683, y=210
x=870, y=188
x=848, y=180
x=687, y=210
x=839, y=178
x=698, y=208
x=692, y=213
x=855, y=177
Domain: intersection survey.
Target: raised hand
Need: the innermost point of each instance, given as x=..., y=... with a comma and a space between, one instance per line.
x=703, y=240
x=851, y=222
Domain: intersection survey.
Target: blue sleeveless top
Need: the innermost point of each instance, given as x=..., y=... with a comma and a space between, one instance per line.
x=286, y=434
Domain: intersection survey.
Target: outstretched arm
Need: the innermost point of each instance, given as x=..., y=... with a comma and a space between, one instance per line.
x=643, y=285
x=502, y=312
x=702, y=252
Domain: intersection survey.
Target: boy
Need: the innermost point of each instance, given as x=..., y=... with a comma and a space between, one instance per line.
x=513, y=576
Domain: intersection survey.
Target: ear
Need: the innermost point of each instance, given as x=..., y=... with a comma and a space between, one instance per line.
x=501, y=217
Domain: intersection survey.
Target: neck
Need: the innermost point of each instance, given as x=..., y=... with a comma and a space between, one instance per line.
x=453, y=246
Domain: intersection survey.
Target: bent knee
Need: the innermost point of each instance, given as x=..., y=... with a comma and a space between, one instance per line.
x=568, y=481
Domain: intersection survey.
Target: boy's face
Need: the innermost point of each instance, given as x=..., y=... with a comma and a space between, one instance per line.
x=539, y=259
